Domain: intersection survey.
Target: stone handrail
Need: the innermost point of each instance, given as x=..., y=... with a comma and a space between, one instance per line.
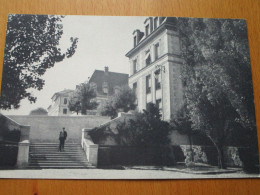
x=90, y=148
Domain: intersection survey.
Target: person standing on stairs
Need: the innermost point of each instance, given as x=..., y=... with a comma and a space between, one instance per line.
x=62, y=138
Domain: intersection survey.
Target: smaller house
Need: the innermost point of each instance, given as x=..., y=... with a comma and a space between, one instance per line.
x=106, y=84
x=60, y=102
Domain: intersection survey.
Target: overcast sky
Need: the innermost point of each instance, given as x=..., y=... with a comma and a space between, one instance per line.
x=103, y=41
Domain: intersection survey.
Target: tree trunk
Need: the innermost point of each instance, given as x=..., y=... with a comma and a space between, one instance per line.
x=220, y=152
x=191, y=149
x=221, y=162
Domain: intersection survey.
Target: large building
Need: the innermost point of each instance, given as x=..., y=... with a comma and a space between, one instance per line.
x=106, y=84
x=60, y=101
x=155, y=61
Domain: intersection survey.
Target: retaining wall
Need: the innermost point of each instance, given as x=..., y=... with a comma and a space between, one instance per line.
x=47, y=128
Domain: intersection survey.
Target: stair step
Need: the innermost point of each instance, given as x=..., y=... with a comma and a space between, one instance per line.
x=46, y=155
x=55, y=144
x=58, y=160
x=60, y=167
x=54, y=156
x=56, y=152
x=58, y=163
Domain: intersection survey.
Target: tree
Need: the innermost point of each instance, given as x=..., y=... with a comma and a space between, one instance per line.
x=124, y=100
x=39, y=111
x=145, y=129
x=182, y=124
x=32, y=47
x=217, y=78
x=82, y=99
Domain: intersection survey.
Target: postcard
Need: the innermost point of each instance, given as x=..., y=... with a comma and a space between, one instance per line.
x=116, y=97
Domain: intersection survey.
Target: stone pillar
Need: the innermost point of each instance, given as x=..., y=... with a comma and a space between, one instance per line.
x=25, y=133
x=89, y=147
x=84, y=135
x=23, y=154
x=92, y=154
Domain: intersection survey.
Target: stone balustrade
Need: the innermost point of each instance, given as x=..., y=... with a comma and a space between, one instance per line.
x=89, y=147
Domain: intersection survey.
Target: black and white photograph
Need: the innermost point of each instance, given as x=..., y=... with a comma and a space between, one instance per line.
x=127, y=97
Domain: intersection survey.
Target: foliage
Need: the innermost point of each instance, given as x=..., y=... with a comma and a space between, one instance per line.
x=82, y=99
x=39, y=111
x=145, y=129
x=217, y=78
x=32, y=47
x=182, y=124
x=123, y=100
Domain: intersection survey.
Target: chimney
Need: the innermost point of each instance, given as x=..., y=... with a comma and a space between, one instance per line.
x=106, y=69
x=138, y=35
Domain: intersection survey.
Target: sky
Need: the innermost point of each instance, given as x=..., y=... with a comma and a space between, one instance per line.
x=102, y=41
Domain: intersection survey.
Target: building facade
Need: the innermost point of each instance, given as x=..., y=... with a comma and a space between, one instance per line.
x=155, y=66
x=106, y=84
x=60, y=102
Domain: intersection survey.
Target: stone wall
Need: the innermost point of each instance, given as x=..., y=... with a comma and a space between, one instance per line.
x=208, y=155
x=111, y=155
x=47, y=128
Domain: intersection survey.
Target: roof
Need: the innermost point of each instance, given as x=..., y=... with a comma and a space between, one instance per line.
x=60, y=93
x=168, y=23
x=112, y=78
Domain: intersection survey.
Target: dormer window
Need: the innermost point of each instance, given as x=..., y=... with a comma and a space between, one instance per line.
x=147, y=30
x=135, y=41
x=155, y=21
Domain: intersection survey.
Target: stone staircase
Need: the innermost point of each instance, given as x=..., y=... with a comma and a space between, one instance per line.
x=46, y=155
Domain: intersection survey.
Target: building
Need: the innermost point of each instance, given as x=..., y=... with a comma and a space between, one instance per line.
x=106, y=84
x=60, y=101
x=155, y=61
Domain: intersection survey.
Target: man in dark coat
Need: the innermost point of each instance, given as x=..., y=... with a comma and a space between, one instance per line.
x=62, y=138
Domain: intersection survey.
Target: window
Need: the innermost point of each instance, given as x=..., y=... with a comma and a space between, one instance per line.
x=116, y=89
x=65, y=101
x=147, y=30
x=148, y=84
x=155, y=22
x=105, y=88
x=156, y=51
x=135, y=87
x=65, y=111
x=147, y=58
x=135, y=41
x=135, y=90
x=158, y=81
x=135, y=66
x=159, y=104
